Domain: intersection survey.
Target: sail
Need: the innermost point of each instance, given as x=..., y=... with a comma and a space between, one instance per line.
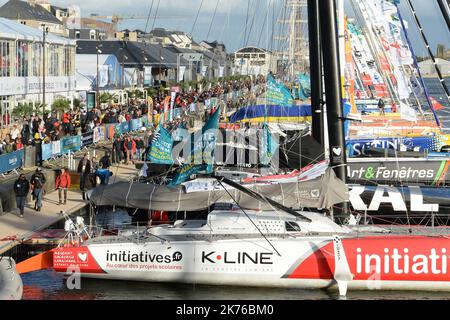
x=324, y=191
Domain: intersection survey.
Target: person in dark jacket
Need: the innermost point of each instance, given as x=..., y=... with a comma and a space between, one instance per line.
x=38, y=183
x=21, y=189
x=117, y=151
x=105, y=161
x=84, y=169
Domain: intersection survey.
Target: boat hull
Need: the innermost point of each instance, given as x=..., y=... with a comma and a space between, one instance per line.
x=376, y=263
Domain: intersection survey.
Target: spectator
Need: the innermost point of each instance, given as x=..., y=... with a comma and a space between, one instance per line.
x=84, y=169
x=63, y=184
x=381, y=106
x=129, y=147
x=117, y=151
x=105, y=161
x=21, y=189
x=140, y=149
x=38, y=139
x=38, y=184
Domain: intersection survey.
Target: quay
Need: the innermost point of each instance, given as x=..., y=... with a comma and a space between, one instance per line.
x=15, y=230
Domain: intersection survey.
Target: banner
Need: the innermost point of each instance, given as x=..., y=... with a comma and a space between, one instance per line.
x=203, y=153
x=11, y=161
x=181, y=72
x=99, y=134
x=147, y=76
x=204, y=70
x=124, y=127
x=161, y=147
x=221, y=71
x=135, y=124
x=47, y=151
x=103, y=76
x=277, y=93
x=87, y=139
x=172, y=102
x=51, y=150
x=72, y=144
x=358, y=147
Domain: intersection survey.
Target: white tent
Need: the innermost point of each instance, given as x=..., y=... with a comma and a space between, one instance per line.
x=86, y=72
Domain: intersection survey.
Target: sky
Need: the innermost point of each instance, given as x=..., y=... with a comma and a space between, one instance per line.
x=230, y=20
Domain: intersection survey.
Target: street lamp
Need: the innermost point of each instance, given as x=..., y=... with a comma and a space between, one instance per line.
x=98, y=51
x=44, y=34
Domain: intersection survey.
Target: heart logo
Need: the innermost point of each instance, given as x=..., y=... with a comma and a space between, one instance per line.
x=337, y=151
x=83, y=256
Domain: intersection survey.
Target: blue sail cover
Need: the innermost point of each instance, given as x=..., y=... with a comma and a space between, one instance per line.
x=272, y=113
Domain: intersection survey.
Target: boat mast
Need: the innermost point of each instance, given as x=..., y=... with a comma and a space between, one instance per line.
x=316, y=73
x=333, y=88
x=443, y=5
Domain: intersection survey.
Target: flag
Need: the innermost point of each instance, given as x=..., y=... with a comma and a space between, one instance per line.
x=436, y=105
x=268, y=146
x=161, y=147
x=202, y=155
x=277, y=93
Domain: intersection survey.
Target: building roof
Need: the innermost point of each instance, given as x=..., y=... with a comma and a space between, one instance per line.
x=252, y=50
x=439, y=61
x=13, y=30
x=137, y=54
x=21, y=10
x=159, y=32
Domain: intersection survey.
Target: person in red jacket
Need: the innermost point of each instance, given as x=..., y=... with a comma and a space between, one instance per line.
x=130, y=149
x=63, y=184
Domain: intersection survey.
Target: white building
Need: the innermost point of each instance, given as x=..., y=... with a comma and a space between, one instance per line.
x=427, y=68
x=253, y=61
x=21, y=67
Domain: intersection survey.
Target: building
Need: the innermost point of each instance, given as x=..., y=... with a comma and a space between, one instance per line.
x=440, y=53
x=34, y=15
x=427, y=67
x=21, y=67
x=144, y=63
x=253, y=61
x=92, y=29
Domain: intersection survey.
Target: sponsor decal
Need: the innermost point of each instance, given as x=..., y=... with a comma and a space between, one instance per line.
x=257, y=258
x=143, y=257
x=384, y=172
x=382, y=259
x=364, y=198
x=65, y=259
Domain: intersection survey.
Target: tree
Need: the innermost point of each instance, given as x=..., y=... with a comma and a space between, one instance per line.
x=106, y=97
x=60, y=106
x=26, y=109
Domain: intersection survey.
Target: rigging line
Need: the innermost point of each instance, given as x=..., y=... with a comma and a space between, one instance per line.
x=212, y=20
x=149, y=15
x=427, y=44
x=251, y=220
x=253, y=22
x=422, y=82
x=246, y=22
x=196, y=18
x=443, y=5
x=156, y=14
x=264, y=24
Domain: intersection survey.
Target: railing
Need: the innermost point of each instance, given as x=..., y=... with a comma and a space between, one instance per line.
x=67, y=146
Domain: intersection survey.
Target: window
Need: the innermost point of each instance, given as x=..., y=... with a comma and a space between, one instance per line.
x=92, y=34
x=36, y=62
x=77, y=34
x=292, y=226
x=5, y=64
x=22, y=58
